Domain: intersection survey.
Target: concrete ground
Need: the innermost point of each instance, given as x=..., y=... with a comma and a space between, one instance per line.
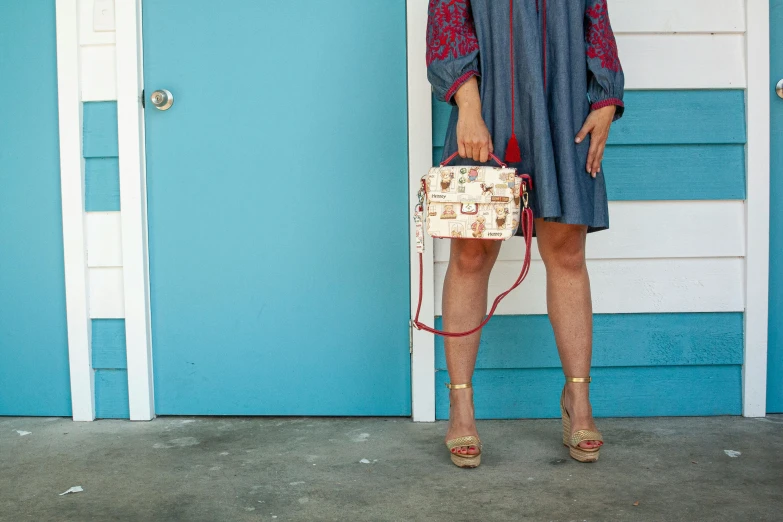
x=227, y=469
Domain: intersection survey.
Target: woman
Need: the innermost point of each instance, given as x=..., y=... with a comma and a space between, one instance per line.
x=543, y=83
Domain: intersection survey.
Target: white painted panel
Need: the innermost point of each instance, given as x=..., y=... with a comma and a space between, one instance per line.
x=133, y=191
x=626, y=286
x=653, y=229
x=86, y=34
x=72, y=190
x=683, y=61
x=107, y=300
x=104, y=239
x=754, y=369
x=419, y=160
x=99, y=78
x=677, y=16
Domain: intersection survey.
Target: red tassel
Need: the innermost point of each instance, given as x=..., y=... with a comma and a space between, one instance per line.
x=512, y=150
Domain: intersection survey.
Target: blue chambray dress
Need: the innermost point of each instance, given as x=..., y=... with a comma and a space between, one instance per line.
x=565, y=64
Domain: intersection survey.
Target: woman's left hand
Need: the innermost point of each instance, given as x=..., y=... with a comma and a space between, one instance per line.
x=597, y=126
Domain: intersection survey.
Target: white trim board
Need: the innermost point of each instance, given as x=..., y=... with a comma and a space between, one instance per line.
x=682, y=61
x=676, y=16
x=104, y=239
x=133, y=201
x=106, y=293
x=754, y=369
x=72, y=188
x=626, y=286
x=98, y=65
x=419, y=162
x=653, y=229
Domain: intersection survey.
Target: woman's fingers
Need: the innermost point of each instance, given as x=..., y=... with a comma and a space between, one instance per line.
x=468, y=150
x=591, y=156
x=484, y=154
x=596, y=153
x=599, y=157
x=584, y=131
x=462, y=151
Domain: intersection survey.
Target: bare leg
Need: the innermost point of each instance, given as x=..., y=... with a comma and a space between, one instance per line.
x=570, y=309
x=464, y=307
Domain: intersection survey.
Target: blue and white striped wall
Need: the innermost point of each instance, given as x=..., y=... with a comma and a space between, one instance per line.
x=103, y=223
x=668, y=278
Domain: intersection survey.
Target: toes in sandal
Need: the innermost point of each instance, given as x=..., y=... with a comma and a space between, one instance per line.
x=464, y=460
x=573, y=441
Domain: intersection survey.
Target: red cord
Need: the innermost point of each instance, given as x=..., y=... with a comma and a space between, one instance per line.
x=513, y=154
x=526, y=222
x=511, y=55
x=544, y=45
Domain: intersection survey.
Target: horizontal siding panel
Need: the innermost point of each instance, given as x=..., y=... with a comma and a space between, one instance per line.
x=104, y=239
x=527, y=341
x=681, y=117
x=98, y=65
x=669, y=172
x=639, y=231
x=101, y=184
x=108, y=344
x=676, y=16
x=683, y=61
x=674, y=172
x=107, y=297
x=100, y=130
x=111, y=394
x=615, y=392
x=660, y=117
x=626, y=286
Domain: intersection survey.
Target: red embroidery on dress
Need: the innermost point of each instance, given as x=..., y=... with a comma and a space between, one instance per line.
x=600, y=39
x=450, y=31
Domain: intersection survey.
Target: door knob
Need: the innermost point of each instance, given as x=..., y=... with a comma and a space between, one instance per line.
x=779, y=88
x=162, y=99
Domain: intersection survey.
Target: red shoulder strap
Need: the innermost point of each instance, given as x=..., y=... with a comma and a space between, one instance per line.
x=526, y=222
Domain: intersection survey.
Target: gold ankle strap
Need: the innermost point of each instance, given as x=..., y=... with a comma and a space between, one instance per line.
x=578, y=379
x=458, y=386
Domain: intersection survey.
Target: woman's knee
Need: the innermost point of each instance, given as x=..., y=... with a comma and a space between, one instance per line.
x=473, y=256
x=565, y=249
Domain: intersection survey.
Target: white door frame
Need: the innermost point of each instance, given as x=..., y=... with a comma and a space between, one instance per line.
x=419, y=162
x=129, y=54
x=754, y=368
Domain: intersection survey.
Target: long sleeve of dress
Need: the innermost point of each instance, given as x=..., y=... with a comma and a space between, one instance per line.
x=606, y=81
x=452, y=47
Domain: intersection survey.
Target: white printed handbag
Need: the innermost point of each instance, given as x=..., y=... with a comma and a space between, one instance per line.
x=473, y=202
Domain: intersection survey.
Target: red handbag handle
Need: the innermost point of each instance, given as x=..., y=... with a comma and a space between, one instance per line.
x=526, y=222
x=448, y=160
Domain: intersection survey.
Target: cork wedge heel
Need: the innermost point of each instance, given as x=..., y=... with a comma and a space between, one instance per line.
x=464, y=461
x=572, y=441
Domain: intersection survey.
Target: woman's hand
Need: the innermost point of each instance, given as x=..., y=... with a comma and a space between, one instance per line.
x=597, y=126
x=473, y=136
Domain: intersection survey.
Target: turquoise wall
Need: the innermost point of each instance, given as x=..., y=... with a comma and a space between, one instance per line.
x=775, y=355
x=34, y=377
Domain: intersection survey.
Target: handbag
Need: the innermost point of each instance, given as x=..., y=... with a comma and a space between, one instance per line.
x=473, y=202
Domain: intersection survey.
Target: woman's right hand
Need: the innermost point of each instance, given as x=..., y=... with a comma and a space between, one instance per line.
x=473, y=136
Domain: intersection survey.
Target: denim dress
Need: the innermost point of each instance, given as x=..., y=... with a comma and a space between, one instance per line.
x=541, y=70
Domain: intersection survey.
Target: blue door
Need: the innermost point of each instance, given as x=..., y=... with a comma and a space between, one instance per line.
x=775, y=357
x=273, y=292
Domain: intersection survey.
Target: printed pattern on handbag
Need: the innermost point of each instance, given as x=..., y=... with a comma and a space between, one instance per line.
x=472, y=202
